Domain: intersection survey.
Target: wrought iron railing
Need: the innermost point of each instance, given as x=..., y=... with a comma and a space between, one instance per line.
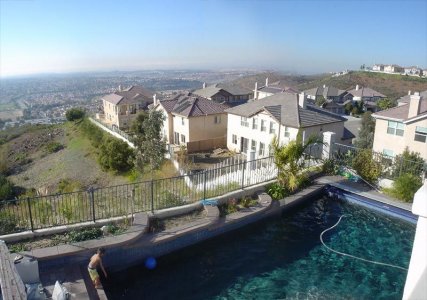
x=88, y=206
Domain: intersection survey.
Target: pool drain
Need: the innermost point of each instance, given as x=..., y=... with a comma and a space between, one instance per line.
x=352, y=256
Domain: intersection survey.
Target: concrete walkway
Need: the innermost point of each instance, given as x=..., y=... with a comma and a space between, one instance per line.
x=76, y=280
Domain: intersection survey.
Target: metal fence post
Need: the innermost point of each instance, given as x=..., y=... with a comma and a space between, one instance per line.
x=204, y=184
x=243, y=175
x=132, y=204
x=152, y=195
x=92, y=202
x=31, y=216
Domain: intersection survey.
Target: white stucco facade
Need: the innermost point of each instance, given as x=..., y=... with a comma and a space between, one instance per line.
x=259, y=140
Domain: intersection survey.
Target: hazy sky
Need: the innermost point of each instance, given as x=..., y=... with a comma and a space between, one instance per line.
x=303, y=36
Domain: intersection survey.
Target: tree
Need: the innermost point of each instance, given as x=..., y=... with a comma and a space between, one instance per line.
x=366, y=132
x=74, y=114
x=290, y=161
x=150, y=147
x=115, y=155
x=386, y=103
x=348, y=108
x=320, y=100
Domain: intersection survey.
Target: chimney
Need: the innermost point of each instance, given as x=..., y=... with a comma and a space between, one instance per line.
x=204, y=85
x=256, y=91
x=414, y=105
x=154, y=99
x=302, y=100
x=266, y=81
x=409, y=92
x=357, y=87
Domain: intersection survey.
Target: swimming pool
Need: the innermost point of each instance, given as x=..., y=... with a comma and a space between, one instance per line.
x=283, y=258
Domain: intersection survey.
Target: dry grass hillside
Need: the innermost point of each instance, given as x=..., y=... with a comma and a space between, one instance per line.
x=393, y=86
x=293, y=81
x=59, y=158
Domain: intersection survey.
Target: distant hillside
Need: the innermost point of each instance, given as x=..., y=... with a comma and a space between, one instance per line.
x=294, y=81
x=393, y=86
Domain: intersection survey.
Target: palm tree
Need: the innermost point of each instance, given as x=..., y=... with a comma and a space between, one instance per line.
x=290, y=161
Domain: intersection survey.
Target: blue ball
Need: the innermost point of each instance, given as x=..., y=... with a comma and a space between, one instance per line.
x=150, y=263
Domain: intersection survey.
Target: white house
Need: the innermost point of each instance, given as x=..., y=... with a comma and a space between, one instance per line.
x=413, y=71
x=252, y=126
x=393, y=69
x=270, y=89
x=378, y=68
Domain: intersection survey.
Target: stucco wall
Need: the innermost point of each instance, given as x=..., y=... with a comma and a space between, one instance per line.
x=395, y=143
x=204, y=127
x=180, y=125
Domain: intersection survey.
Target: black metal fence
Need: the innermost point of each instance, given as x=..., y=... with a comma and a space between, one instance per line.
x=70, y=208
x=391, y=167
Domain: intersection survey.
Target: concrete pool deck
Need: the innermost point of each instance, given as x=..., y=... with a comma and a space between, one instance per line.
x=67, y=263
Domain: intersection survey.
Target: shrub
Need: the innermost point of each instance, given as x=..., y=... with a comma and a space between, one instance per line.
x=365, y=165
x=74, y=114
x=276, y=191
x=248, y=202
x=6, y=188
x=85, y=234
x=8, y=223
x=53, y=147
x=330, y=167
x=169, y=199
x=404, y=187
x=116, y=155
x=408, y=162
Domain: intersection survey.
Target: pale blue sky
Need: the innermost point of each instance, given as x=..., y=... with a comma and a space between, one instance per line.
x=303, y=36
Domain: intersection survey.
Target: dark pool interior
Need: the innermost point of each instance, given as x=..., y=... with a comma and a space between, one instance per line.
x=282, y=258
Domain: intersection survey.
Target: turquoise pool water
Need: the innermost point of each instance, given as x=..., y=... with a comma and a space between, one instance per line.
x=283, y=259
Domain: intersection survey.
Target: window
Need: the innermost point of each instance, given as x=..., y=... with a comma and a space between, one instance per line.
x=261, y=149
x=253, y=145
x=287, y=132
x=420, y=134
x=395, y=128
x=244, y=122
x=244, y=145
x=255, y=123
x=217, y=119
x=182, y=121
x=182, y=138
x=263, y=127
x=234, y=139
x=176, y=138
x=272, y=129
x=388, y=152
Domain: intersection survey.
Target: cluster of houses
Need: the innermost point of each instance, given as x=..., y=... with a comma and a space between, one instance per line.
x=396, y=69
x=246, y=121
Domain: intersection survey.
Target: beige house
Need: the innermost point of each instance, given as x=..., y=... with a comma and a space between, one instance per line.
x=122, y=106
x=223, y=94
x=402, y=126
x=198, y=123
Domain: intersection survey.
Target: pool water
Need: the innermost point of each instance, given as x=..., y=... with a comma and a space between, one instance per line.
x=283, y=258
